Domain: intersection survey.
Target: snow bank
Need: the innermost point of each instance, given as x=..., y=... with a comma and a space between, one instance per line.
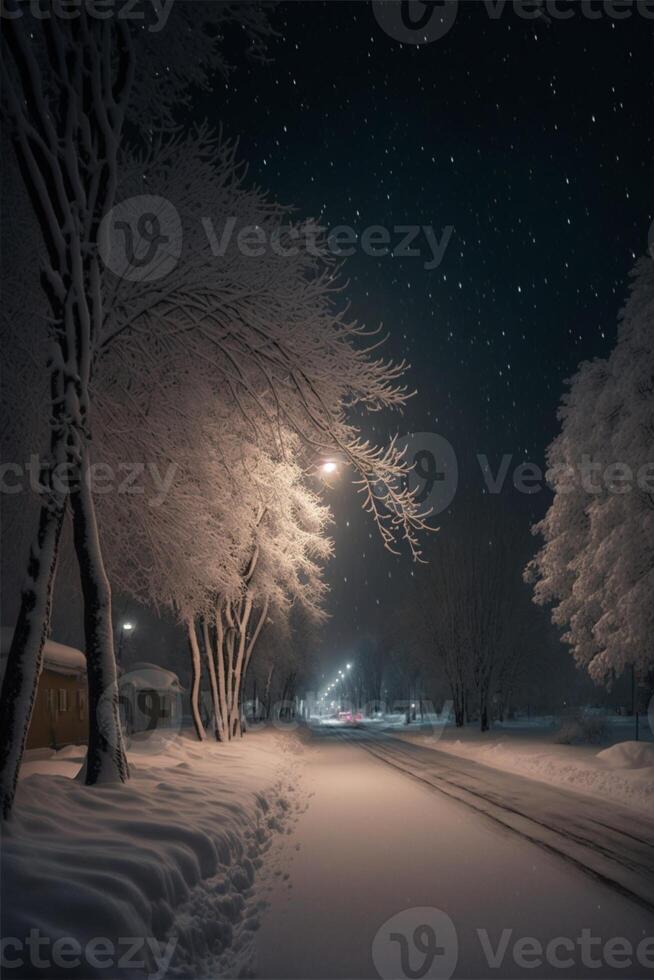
x=629, y=755
x=622, y=774
x=171, y=855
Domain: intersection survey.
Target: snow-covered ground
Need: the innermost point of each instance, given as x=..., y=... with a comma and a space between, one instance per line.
x=284, y=855
x=178, y=857
x=378, y=854
x=620, y=770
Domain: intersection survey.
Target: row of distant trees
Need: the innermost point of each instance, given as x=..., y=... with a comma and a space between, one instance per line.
x=239, y=372
x=465, y=630
x=283, y=669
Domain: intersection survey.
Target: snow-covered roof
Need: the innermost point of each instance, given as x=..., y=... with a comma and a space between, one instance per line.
x=57, y=657
x=151, y=677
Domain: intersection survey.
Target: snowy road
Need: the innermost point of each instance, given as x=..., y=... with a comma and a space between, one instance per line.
x=610, y=842
x=536, y=881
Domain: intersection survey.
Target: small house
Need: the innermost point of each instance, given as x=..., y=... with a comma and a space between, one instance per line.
x=60, y=715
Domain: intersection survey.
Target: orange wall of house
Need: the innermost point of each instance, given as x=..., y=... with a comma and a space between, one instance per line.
x=54, y=729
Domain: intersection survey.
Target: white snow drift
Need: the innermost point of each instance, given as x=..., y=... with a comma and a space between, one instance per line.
x=171, y=856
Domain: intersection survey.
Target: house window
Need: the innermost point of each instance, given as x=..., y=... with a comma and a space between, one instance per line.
x=63, y=699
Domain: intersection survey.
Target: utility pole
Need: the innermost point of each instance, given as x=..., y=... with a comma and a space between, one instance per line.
x=125, y=627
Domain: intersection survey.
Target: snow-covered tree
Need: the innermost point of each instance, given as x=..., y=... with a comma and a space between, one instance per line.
x=271, y=322
x=237, y=535
x=281, y=568
x=269, y=329
x=596, y=566
x=68, y=87
x=210, y=319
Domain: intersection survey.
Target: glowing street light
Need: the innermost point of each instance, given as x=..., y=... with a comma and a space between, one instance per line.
x=328, y=467
x=125, y=627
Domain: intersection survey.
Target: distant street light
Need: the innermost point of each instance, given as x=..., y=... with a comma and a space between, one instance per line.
x=329, y=467
x=126, y=627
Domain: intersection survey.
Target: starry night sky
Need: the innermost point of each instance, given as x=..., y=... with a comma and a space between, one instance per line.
x=534, y=142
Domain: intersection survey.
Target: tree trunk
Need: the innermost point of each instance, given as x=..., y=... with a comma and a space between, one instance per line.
x=90, y=70
x=249, y=650
x=266, y=696
x=25, y=658
x=106, y=761
x=242, y=620
x=212, y=655
x=282, y=704
x=26, y=653
x=458, y=704
x=484, y=723
x=196, y=670
x=231, y=658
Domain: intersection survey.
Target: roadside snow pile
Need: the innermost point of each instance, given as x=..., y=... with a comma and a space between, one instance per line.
x=171, y=857
x=629, y=755
x=621, y=774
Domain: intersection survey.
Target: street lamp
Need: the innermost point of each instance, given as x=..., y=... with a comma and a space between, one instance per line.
x=125, y=627
x=328, y=467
